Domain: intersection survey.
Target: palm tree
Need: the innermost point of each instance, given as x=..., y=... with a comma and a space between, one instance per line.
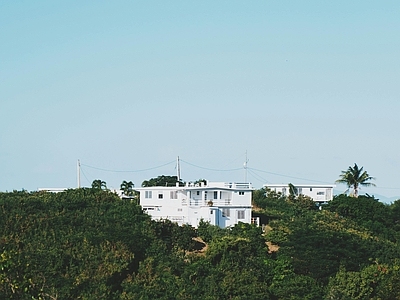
x=98, y=184
x=127, y=188
x=354, y=177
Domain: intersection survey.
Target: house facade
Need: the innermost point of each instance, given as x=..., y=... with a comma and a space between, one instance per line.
x=318, y=192
x=220, y=203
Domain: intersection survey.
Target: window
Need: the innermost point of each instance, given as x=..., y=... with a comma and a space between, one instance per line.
x=226, y=212
x=299, y=191
x=310, y=189
x=215, y=195
x=240, y=214
x=160, y=196
x=241, y=193
x=205, y=195
x=173, y=195
x=148, y=194
x=320, y=193
x=284, y=191
x=198, y=193
x=179, y=209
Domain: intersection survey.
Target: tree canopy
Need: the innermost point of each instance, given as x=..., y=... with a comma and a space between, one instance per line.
x=99, y=184
x=127, y=188
x=90, y=244
x=163, y=180
x=354, y=177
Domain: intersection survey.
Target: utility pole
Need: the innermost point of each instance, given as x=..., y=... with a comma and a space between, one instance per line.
x=79, y=173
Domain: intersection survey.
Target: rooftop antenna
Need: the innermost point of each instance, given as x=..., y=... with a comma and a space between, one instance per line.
x=178, y=169
x=78, y=166
x=245, y=168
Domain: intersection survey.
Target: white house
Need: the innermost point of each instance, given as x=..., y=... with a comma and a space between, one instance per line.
x=222, y=204
x=320, y=193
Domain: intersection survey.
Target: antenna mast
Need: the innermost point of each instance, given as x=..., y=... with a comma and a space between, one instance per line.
x=178, y=169
x=245, y=168
x=79, y=173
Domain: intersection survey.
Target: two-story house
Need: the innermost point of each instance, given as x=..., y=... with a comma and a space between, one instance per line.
x=220, y=203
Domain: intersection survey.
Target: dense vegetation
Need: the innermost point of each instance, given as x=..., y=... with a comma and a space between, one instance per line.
x=89, y=244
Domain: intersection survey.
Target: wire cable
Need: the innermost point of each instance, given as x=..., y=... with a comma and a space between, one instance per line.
x=84, y=175
x=209, y=169
x=132, y=171
x=258, y=177
x=293, y=177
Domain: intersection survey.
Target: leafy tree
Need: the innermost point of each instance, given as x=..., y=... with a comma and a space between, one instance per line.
x=98, y=184
x=163, y=180
x=265, y=198
x=78, y=244
x=87, y=244
x=369, y=213
x=376, y=281
x=354, y=177
x=200, y=181
x=127, y=188
x=209, y=232
x=292, y=192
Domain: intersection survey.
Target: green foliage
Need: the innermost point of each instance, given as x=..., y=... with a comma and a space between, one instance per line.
x=354, y=177
x=98, y=184
x=276, y=206
x=367, y=212
x=200, y=181
x=208, y=232
x=75, y=244
x=375, y=281
x=127, y=188
x=163, y=180
x=89, y=244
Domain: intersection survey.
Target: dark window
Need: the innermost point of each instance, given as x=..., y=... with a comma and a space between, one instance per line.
x=226, y=212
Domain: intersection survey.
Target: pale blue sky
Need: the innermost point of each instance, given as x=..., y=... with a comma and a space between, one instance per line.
x=306, y=87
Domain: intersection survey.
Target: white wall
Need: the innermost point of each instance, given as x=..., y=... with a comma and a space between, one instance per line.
x=193, y=203
x=319, y=193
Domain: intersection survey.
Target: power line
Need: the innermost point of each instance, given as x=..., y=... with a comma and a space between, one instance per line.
x=387, y=188
x=258, y=177
x=85, y=175
x=215, y=170
x=209, y=169
x=288, y=176
x=127, y=171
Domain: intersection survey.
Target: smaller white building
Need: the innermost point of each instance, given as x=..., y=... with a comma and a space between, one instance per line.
x=320, y=193
x=220, y=203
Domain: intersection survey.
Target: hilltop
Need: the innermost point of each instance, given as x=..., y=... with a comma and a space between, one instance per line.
x=90, y=244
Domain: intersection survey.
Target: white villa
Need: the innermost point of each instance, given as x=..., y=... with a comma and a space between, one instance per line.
x=220, y=203
x=318, y=192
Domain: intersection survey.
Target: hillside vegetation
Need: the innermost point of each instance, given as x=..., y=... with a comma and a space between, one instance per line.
x=90, y=244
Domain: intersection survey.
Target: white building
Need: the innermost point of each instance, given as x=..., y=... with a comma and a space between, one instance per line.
x=221, y=204
x=318, y=192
